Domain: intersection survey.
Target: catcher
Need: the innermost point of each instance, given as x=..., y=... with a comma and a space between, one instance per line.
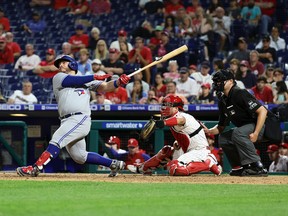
x=190, y=152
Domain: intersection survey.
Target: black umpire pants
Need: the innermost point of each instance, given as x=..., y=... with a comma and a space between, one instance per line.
x=238, y=147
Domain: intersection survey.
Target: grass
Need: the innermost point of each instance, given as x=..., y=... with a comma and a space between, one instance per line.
x=99, y=198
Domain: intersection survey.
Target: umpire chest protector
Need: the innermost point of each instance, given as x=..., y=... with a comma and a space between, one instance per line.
x=239, y=107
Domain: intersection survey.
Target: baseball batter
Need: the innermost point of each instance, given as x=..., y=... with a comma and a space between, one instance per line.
x=190, y=153
x=72, y=93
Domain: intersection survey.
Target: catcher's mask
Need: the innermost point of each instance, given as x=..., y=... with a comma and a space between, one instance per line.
x=114, y=140
x=220, y=77
x=168, y=102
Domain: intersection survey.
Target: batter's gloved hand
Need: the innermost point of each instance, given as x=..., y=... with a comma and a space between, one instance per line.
x=124, y=79
x=160, y=123
x=101, y=77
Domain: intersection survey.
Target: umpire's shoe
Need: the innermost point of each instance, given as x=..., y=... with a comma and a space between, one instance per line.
x=255, y=169
x=28, y=171
x=115, y=167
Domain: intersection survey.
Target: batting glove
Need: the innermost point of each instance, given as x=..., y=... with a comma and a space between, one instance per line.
x=101, y=77
x=124, y=80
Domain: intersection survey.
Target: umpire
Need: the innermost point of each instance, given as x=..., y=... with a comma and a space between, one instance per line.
x=248, y=115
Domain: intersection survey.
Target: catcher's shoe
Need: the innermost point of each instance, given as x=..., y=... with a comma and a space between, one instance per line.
x=115, y=167
x=212, y=164
x=28, y=171
x=139, y=169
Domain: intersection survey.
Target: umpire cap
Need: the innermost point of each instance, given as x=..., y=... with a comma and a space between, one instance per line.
x=73, y=65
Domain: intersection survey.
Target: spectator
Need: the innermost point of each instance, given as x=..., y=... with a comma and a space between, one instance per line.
x=186, y=86
x=100, y=99
x=84, y=63
x=35, y=3
x=251, y=14
x=137, y=94
x=171, y=90
x=98, y=7
x=234, y=10
x=283, y=149
x=205, y=96
x=162, y=49
x=137, y=77
x=60, y=4
x=214, y=4
x=46, y=68
x=78, y=7
x=113, y=65
x=2, y=31
x=267, y=54
x=154, y=7
x=279, y=162
x=262, y=92
x=101, y=51
x=96, y=68
x=242, y=53
x=142, y=55
x=191, y=10
x=134, y=155
x=14, y=46
x=246, y=76
x=278, y=75
x=173, y=72
x=119, y=95
x=267, y=12
x=122, y=36
x=222, y=25
x=115, y=143
x=159, y=87
x=150, y=99
x=180, y=14
x=170, y=26
x=4, y=21
x=234, y=69
x=217, y=152
x=203, y=76
x=269, y=74
x=29, y=61
x=172, y=7
x=93, y=38
x=256, y=66
x=6, y=53
x=24, y=96
x=78, y=40
x=145, y=31
x=124, y=52
x=192, y=69
x=35, y=25
x=66, y=50
x=155, y=40
x=186, y=29
x=281, y=94
x=217, y=65
x=275, y=41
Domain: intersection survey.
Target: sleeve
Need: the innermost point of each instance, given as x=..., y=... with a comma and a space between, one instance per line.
x=13, y=96
x=76, y=81
x=119, y=156
x=146, y=157
x=18, y=63
x=249, y=101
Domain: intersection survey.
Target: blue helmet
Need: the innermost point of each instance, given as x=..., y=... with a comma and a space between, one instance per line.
x=73, y=65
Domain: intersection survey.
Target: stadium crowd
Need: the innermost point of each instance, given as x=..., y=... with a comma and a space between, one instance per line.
x=248, y=36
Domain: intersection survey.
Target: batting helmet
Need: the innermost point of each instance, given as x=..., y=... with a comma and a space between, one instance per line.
x=220, y=77
x=73, y=65
x=114, y=140
x=171, y=101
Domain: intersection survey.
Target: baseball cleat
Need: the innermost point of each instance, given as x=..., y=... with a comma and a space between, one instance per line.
x=212, y=164
x=115, y=167
x=28, y=171
x=133, y=168
x=217, y=170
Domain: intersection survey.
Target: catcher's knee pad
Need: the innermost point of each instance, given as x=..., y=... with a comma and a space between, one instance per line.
x=177, y=169
x=161, y=158
x=196, y=167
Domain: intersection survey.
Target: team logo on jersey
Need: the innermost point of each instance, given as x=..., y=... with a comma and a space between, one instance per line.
x=80, y=91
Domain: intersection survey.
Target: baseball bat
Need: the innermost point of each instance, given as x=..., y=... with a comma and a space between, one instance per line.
x=162, y=59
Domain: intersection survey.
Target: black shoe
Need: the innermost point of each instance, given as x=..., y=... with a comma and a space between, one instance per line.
x=236, y=172
x=255, y=171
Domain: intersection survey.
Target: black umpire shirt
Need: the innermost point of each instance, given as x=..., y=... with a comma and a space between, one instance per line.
x=239, y=108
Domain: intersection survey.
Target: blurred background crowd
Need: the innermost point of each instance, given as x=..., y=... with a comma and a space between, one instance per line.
x=116, y=36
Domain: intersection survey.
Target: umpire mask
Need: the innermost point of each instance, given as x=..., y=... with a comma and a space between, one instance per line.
x=219, y=79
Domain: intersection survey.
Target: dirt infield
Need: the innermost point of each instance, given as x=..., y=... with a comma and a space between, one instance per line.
x=132, y=178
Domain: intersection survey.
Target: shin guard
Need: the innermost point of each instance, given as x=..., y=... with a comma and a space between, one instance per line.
x=176, y=169
x=43, y=160
x=196, y=167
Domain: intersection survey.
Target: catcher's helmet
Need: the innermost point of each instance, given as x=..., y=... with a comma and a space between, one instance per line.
x=114, y=140
x=73, y=65
x=220, y=77
x=171, y=101
x=132, y=143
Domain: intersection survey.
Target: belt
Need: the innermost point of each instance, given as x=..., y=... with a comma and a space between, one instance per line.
x=195, y=132
x=70, y=114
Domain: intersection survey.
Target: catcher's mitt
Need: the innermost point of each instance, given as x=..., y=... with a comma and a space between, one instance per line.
x=148, y=129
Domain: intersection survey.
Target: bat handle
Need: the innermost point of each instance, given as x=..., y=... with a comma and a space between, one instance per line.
x=135, y=72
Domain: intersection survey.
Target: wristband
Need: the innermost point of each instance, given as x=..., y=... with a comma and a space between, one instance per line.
x=115, y=84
